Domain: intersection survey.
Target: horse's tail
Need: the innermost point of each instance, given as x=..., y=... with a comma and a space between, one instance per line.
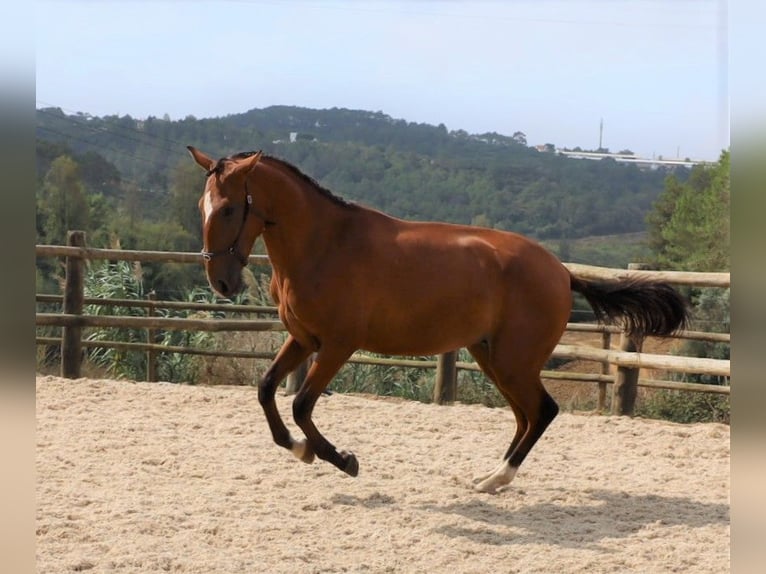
x=645, y=307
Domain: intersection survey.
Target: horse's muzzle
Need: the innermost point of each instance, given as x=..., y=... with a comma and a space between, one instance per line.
x=227, y=281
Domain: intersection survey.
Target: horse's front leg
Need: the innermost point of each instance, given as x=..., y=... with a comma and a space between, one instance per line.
x=324, y=367
x=290, y=356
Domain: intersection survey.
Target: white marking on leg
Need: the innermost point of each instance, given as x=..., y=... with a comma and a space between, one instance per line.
x=485, y=476
x=299, y=449
x=501, y=477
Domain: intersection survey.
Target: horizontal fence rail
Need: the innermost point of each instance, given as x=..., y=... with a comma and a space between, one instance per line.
x=626, y=359
x=94, y=253
x=692, y=278
x=717, y=367
x=170, y=323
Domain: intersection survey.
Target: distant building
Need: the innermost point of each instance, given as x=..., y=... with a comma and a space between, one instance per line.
x=644, y=162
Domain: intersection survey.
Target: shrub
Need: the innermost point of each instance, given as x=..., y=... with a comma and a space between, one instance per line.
x=711, y=313
x=686, y=407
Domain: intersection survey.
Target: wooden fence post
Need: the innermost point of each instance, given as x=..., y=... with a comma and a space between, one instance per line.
x=625, y=387
x=445, y=384
x=74, y=296
x=151, y=337
x=606, y=344
x=625, y=381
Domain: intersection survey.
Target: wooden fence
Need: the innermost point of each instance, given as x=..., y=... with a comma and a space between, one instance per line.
x=628, y=359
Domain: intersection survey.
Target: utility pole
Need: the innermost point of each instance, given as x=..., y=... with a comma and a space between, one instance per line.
x=601, y=134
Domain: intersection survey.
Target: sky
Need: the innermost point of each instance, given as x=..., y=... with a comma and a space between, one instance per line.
x=656, y=72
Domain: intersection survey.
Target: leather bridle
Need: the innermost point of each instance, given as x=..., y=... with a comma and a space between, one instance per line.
x=243, y=259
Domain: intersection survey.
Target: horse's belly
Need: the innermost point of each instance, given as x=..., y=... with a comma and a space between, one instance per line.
x=413, y=334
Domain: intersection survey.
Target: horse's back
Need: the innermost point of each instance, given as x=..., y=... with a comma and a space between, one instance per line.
x=463, y=250
x=448, y=285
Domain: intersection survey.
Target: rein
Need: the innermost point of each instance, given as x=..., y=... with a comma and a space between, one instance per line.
x=208, y=255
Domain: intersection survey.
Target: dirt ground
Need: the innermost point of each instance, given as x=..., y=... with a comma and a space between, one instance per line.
x=154, y=477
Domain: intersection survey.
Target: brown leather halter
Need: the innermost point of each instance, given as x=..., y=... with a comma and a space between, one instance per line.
x=208, y=255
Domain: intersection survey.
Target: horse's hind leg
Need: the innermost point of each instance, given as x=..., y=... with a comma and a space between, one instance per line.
x=542, y=410
x=515, y=364
x=289, y=357
x=480, y=354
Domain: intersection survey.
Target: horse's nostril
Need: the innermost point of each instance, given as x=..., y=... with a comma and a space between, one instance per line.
x=223, y=288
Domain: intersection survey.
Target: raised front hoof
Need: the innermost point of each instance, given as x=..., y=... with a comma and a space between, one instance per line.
x=351, y=467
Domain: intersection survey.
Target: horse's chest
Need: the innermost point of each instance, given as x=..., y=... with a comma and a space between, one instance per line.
x=298, y=316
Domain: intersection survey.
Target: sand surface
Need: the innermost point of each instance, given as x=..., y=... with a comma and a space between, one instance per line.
x=140, y=477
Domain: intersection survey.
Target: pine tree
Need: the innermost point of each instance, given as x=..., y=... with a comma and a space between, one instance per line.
x=689, y=226
x=62, y=203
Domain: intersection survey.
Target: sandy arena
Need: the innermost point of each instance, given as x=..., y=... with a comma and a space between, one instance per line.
x=139, y=477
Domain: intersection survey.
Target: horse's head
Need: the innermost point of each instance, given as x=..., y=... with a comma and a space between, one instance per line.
x=230, y=221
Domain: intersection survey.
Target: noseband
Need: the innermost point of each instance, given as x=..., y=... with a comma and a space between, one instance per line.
x=208, y=255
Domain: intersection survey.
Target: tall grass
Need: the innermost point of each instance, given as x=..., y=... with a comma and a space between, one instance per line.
x=385, y=380
x=121, y=280
x=414, y=383
x=116, y=280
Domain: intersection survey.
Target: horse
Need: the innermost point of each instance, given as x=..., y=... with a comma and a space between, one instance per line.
x=347, y=277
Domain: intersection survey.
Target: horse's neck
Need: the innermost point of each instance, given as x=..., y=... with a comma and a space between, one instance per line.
x=303, y=222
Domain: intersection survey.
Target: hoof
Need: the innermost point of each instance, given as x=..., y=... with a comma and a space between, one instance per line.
x=308, y=456
x=479, y=479
x=501, y=478
x=485, y=488
x=352, y=465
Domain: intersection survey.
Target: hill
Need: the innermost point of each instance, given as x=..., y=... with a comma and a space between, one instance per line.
x=416, y=171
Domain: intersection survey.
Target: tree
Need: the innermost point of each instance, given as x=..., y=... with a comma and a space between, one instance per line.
x=98, y=175
x=62, y=204
x=689, y=226
x=662, y=211
x=481, y=220
x=186, y=185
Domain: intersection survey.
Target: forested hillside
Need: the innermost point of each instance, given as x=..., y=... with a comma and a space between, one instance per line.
x=131, y=181
x=411, y=170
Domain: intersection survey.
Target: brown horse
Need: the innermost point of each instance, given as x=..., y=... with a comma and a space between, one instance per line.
x=346, y=277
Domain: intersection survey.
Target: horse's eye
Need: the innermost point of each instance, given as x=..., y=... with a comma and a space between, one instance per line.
x=227, y=211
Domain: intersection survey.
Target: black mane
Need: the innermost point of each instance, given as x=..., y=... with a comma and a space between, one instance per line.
x=311, y=181
x=295, y=171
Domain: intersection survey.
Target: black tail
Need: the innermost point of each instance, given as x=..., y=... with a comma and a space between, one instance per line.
x=644, y=307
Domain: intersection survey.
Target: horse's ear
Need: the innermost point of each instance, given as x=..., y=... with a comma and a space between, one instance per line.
x=252, y=161
x=202, y=160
